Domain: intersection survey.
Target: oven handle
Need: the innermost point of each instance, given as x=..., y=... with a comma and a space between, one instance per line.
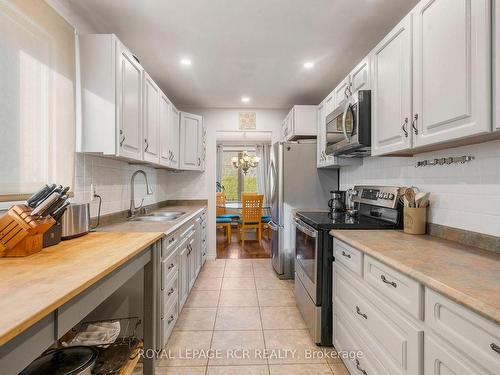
x=304, y=228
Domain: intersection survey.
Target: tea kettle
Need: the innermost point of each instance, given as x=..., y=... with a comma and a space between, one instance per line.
x=337, y=201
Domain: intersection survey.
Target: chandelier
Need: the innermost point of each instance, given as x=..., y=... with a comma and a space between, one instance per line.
x=245, y=162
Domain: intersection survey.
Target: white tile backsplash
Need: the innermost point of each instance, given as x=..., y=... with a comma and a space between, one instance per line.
x=465, y=196
x=111, y=180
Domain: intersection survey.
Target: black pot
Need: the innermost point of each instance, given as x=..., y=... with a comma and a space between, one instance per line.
x=73, y=360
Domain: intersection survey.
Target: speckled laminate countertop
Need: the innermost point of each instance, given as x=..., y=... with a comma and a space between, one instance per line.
x=166, y=227
x=466, y=275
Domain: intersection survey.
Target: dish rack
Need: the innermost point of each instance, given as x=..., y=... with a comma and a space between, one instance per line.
x=22, y=234
x=121, y=356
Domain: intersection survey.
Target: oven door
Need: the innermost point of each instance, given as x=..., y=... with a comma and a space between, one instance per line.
x=306, y=257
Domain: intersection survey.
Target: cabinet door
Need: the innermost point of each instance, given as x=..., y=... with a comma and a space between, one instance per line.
x=174, y=136
x=341, y=92
x=192, y=261
x=321, y=134
x=391, y=91
x=129, y=81
x=183, y=275
x=451, y=70
x=165, y=149
x=439, y=359
x=151, y=120
x=191, y=127
x=360, y=76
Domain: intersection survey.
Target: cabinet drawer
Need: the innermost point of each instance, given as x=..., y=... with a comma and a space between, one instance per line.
x=346, y=339
x=348, y=256
x=396, y=342
x=472, y=334
x=168, y=321
x=169, y=245
x=440, y=358
x=402, y=290
x=169, y=267
x=170, y=295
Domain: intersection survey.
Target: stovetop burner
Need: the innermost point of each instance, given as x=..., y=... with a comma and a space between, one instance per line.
x=327, y=221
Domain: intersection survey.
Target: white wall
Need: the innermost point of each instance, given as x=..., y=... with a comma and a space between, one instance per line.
x=465, y=196
x=202, y=185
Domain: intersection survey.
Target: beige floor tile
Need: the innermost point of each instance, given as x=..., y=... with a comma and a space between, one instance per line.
x=203, y=298
x=238, y=348
x=196, y=319
x=265, y=262
x=238, y=318
x=215, y=263
x=212, y=272
x=282, y=318
x=238, y=262
x=238, y=283
x=207, y=283
x=339, y=369
x=238, y=298
x=299, y=341
x=238, y=370
x=300, y=369
x=276, y=298
x=264, y=272
x=271, y=283
x=181, y=341
x=331, y=355
x=180, y=370
x=239, y=271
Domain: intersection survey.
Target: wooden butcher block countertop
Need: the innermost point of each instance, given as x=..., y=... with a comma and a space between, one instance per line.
x=32, y=287
x=464, y=274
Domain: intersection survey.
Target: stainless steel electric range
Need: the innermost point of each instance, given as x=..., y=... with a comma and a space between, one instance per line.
x=372, y=207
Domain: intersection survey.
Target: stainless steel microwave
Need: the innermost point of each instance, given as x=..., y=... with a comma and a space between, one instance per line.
x=348, y=127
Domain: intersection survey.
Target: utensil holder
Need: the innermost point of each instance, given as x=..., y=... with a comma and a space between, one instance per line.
x=20, y=233
x=414, y=220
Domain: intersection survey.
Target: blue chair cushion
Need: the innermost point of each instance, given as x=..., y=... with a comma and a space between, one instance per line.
x=223, y=220
x=231, y=216
x=265, y=219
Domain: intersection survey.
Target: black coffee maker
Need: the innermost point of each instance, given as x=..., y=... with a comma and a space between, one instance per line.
x=337, y=202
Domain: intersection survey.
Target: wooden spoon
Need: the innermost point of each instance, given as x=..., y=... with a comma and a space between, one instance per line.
x=410, y=196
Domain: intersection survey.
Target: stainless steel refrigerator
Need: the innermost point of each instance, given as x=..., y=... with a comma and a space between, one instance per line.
x=295, y=183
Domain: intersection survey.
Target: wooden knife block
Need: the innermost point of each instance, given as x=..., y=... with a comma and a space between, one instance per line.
x=20, y=234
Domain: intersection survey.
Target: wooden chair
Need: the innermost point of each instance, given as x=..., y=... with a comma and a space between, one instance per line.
x=221, y=209
x=251, y=216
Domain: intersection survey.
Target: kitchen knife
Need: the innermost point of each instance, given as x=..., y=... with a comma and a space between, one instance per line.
x=54, y=188
x=57, y=214
x=37, y=195
x=58, y=203
x=44, y=205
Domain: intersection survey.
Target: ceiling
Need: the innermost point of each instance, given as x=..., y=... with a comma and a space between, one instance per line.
x=253, y=48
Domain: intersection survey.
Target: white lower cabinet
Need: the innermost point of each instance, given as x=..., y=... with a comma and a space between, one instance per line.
x=380, y=311
x=181, y=260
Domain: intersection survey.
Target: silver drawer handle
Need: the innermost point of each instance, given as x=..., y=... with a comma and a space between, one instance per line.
x=171, y=266
x=170, y=291
x=358, y=310
x=171, y=319
x=346, y=255
x=392, y=283
x=358, y=367
x=495, y=347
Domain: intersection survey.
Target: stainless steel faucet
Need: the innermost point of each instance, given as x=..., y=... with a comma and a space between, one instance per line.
x=149, y=191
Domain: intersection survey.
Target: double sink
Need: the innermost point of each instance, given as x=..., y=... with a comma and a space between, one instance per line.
x=161, y=216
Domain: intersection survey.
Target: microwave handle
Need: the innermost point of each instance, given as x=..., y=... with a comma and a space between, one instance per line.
x=344, y=116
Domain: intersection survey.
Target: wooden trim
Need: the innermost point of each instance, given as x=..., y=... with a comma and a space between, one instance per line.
x=22, y=197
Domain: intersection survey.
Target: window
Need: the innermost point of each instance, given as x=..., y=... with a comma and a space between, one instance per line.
x=234, y=180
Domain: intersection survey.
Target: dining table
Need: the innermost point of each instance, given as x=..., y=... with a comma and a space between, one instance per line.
x=238, y=205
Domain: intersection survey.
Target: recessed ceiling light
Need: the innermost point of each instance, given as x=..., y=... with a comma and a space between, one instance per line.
x=186, y=62
x=309, y=65
x=245, y=99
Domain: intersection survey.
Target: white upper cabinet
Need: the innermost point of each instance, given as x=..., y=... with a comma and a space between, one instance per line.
x=451, y=70
x=321, y=132
x=165, y=150
x=360, y=76
x=191, y=141
x=151, y=120
x=391, y=91
x=129, y=92
x=341, y=92
x=174, y=136
x=300, y=123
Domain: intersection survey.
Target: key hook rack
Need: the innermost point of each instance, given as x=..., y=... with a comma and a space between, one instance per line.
x=445, y=161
